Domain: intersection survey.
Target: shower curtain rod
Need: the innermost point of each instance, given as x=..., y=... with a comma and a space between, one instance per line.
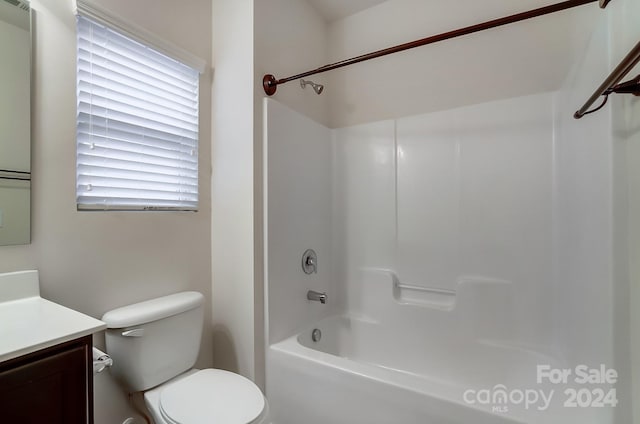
x=270, y=83
x=627, y=64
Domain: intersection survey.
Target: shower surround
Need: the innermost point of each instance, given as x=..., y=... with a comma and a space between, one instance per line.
x=460, y=251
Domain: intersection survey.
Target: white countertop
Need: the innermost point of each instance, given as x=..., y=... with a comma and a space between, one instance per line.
x=29, y=323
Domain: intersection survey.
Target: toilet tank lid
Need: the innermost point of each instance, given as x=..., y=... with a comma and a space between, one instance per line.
x=152, y=310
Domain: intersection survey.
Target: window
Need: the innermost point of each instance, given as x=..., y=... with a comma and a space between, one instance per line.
x=137, y=124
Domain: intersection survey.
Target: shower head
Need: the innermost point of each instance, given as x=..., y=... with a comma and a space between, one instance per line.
x=316, y=87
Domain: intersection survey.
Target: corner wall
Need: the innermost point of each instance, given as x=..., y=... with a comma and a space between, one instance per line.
x=298, y=213
x=289, y=37
x=232, y=183
x=583, y=221
x=625, y=16
x=604, y=160
x=251, y=38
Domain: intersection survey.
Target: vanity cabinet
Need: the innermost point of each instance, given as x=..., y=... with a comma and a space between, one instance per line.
x=52, y=385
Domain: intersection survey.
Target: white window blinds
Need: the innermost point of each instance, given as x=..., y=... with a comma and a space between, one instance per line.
x=137, y=125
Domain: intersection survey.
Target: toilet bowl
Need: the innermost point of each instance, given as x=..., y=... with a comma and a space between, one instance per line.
x=205, y=397
x=154, y=345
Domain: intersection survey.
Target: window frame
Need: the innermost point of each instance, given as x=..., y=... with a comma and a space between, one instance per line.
x=112, y=22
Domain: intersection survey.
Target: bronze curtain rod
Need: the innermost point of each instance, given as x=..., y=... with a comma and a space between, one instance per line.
x=627, y=64
x=270, y=83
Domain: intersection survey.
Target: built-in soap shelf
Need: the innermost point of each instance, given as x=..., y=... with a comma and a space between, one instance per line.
x=423, y=296
x=446, y=299
x=379, y=283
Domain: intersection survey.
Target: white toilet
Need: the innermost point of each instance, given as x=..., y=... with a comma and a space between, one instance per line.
x=154, y=345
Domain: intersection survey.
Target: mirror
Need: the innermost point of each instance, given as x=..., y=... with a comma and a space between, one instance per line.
x=15, y=122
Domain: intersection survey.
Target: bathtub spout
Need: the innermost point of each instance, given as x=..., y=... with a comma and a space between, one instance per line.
x=317, y=297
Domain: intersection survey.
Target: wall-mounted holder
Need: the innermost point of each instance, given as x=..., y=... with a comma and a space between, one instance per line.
x=101, y=361
x=310, y=262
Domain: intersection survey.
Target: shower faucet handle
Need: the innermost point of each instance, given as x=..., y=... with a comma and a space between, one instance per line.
x=310, y=262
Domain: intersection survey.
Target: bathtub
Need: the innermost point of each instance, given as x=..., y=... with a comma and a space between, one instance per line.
x=363, y=372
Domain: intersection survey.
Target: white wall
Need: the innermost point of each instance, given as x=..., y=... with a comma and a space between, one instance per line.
x=458, y=200
x=289, y=36
x=232, y=235
x=364, y=210
x=631, y=153
x=597, y=247
x=583, y=221
x=251, y=38
x=298, y=213
x=625, y=110
x=502, y=63
x=96, y=261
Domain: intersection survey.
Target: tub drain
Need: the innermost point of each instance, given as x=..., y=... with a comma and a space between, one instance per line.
x=316, y=335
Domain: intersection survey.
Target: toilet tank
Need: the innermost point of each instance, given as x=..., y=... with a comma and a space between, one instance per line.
x=153, y=341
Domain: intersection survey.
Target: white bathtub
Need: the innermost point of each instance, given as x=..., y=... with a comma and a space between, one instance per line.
x=362, y=372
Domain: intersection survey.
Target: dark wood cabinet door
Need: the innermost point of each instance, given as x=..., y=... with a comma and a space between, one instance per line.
x=49, y=387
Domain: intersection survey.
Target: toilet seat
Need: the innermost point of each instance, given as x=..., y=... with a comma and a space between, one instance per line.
x=212, y=396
